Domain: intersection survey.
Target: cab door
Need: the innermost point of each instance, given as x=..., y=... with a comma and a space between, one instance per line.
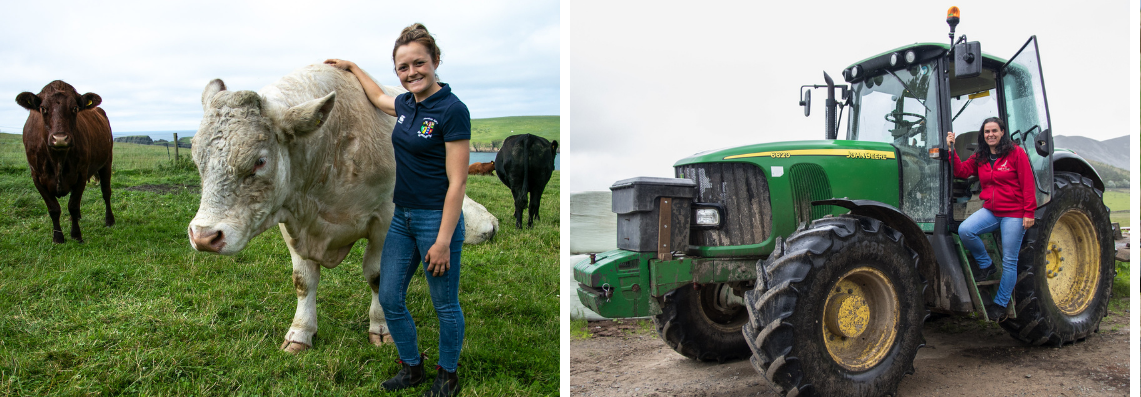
x=1027, y=114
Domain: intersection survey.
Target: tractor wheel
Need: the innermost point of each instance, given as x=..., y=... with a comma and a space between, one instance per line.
x=837, y=310
x=703, y=324
x=1065, y=267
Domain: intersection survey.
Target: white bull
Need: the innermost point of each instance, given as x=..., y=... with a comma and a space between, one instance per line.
x=479, y=224
x=308, y=153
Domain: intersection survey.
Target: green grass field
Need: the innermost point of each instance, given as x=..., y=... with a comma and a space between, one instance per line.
x=1118, y=202
x=136, y=311
x=485, y=131
x=127, y=156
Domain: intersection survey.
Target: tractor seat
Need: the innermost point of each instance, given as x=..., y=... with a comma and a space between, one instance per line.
x=966, y=144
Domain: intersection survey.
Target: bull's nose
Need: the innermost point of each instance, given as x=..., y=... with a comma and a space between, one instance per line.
x=207, y=240
x=60, y=139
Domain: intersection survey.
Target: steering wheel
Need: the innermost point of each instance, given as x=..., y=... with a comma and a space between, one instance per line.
x=904, y=128
x=898, y=118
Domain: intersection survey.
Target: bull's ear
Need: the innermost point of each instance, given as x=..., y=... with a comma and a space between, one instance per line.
x=310, y=116
x=89, y=100
x=215, y=86
x=29, y=101
x=554, y=146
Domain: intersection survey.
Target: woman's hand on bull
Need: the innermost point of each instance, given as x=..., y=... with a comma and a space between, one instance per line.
x=438, y=258
x=1027, y=223
x=950, y=139
x=340, y=64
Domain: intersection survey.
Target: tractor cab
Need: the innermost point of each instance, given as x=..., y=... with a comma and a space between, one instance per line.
x=911, y=96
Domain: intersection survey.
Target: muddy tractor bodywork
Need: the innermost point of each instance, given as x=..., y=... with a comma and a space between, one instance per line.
x=819, y=260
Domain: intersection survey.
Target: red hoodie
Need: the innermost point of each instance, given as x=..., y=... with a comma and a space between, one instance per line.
x=1008, y=190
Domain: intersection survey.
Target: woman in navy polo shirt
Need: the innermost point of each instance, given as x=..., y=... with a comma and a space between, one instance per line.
x=431, y=144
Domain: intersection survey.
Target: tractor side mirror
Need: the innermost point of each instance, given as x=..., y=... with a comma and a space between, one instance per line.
x=1044, y=144
x=968, y=60
x=806, y=101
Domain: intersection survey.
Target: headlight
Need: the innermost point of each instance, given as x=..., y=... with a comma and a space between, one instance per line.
x=909, y=57
x=894, y=59
x=707, y=216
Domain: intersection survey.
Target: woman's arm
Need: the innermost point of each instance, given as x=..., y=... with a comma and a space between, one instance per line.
x=961, y=169
x=456, y=166
x=375, y=94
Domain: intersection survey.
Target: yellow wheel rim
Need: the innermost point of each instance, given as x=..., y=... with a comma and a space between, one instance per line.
x=860, y=319
x=1072, y=262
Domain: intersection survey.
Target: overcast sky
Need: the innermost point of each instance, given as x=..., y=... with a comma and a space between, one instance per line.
x=150, y=60
x=651, y=86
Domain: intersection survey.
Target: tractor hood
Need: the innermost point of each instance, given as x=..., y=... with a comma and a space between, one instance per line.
x=768, y=188
x=796, y=151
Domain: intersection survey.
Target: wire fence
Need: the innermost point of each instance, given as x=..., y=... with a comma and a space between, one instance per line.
x=127, y=156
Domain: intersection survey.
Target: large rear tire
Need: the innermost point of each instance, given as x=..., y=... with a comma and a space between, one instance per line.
x=704, y=323
x=837, y=310
x=1065, y=267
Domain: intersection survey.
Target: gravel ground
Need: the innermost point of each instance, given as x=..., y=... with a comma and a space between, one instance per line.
x=963, y=357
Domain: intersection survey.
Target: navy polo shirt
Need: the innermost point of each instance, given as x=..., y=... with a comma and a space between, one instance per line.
x=418, y=139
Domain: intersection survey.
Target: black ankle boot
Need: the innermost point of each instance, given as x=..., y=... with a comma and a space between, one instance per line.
x=983, y=274
x=995, y=313
x=447, y=384
x=409, y=375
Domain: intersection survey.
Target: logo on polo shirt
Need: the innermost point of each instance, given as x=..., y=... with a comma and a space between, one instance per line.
x=400, y=120
x=426, y=128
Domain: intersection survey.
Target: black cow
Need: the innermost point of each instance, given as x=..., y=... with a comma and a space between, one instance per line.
x=524, y=164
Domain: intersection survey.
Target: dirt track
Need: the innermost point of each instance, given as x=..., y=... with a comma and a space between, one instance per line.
x=963, y=358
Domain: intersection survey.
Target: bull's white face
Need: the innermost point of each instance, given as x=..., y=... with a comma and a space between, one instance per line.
x=244, y=165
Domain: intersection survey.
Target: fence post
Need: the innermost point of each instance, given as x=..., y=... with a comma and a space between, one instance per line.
x=176, y=147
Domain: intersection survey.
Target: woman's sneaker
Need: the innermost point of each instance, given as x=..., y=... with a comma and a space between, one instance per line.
x=447, y=384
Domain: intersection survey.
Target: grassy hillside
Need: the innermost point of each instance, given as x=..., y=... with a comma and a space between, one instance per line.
x=1112, y=176
x=486, y=132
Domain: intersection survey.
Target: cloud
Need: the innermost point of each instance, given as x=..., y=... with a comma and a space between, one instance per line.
x=648, y=91
x=150, y=60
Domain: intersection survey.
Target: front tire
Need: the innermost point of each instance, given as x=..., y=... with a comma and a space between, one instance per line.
x=1065, y=267
x=837, y=310
x=704, y=323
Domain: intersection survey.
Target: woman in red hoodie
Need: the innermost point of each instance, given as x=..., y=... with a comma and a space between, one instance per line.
x=1008, y=204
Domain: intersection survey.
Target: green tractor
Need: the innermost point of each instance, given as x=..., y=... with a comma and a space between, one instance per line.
x=820, y=260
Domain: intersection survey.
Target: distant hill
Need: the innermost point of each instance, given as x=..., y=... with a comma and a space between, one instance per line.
x=1114, y=152
x=139, y=139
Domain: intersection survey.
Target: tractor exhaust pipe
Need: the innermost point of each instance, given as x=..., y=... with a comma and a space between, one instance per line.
x=830, y=109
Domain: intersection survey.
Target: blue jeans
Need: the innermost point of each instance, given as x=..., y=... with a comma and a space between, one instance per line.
x=983, y=221
x=412, y=233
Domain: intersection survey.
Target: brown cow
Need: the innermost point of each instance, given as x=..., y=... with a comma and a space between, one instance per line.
x=68, y=140
x=481, y=168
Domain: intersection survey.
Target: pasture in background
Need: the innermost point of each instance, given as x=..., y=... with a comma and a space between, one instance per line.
x=487, y=137
x=135, y=310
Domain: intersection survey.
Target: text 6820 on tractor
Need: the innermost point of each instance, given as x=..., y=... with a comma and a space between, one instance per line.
x=819, y=260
